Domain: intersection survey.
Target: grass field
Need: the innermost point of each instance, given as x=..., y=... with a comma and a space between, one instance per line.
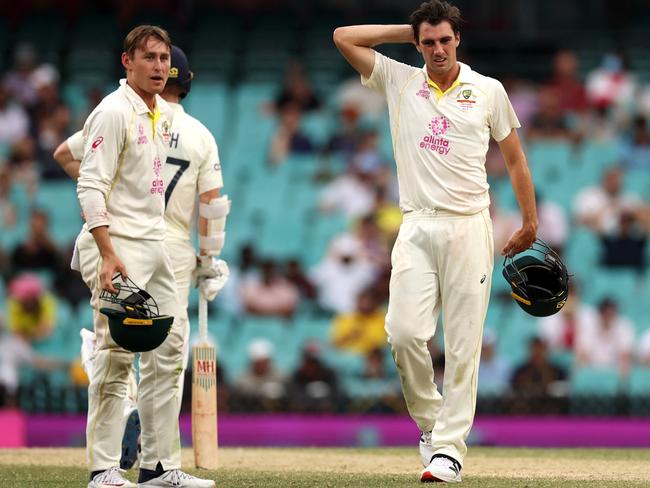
x=375, y=468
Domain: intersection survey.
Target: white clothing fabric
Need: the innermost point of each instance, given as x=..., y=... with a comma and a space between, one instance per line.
x=605, y=346
x=192, y=167
x=441, y=261
x=594, y=201
x=440, y=144
x=14, y=352
x=149, y=266
x=120, y=178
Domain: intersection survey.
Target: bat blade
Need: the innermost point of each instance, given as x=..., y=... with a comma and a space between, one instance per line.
x=204, y=406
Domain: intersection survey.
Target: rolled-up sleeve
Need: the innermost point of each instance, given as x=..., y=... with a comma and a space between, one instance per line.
x=104, y=136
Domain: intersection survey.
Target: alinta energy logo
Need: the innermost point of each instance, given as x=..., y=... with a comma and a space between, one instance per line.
x=438, y=126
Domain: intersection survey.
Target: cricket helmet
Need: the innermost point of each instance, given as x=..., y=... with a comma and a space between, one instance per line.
x=179, y=71
x=539, y=280
x=133, y=317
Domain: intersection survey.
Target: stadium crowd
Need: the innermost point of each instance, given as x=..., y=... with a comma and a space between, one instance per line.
x=342, y=361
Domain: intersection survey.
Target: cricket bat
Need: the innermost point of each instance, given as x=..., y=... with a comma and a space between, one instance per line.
x=204, y=396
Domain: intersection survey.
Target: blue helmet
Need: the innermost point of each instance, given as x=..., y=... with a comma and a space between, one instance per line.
x=179, y=71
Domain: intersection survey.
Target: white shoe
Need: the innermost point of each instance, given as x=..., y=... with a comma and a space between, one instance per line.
x=111, y=478
x=177, y=479
x=426, y=448
x=442, y=468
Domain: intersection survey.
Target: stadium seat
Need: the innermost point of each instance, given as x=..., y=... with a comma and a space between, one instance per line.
x=589, y=380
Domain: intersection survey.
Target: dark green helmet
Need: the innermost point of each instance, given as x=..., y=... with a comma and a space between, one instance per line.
x=133, y=317
x=539, y=280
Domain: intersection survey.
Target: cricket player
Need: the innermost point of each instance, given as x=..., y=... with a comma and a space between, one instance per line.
x=192, y=168
x=122, y=195
x=441, y=118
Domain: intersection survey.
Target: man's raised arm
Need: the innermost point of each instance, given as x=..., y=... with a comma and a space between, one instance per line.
x=355, y=42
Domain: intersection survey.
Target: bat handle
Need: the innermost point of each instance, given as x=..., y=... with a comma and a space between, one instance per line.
x=203, y=319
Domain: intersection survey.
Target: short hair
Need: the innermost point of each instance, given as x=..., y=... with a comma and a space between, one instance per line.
x=139, y=35
x=434, y=12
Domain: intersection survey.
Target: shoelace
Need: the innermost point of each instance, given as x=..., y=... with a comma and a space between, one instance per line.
x=112, y=475
x=176, y=476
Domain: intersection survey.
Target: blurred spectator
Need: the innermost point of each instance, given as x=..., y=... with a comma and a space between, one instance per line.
x=606, y=341
x=626, y=247
x=493, y=373
x=68, y=283
x=537, y=377
x=31, y=311
x=15, y=354
x=8, y=206
x=523, y=97
x=341, y=275
x=388, y=216
x=611, y=84
x=375, y=365
x=347, y=133
x=353, y=96
x=373, y=243
x=549, y=121
x=271, y=294
x=14, y=122
x=288, y=138
x=362, y=330
x=38, y=251
x=367, y=157
x=553, y=226
x=636, y=150
x=261, y=384
x=52, y=130
x=600, y=207
x=566, y=84
x=24, y=166
x=559, y=331
x=296, y=90
x=644, y=349
x=351, y=194
x=296, y=275
x=19, y=80
x=314, y=386
x=504, y=223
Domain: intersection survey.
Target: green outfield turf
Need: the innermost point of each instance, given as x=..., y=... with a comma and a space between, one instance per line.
x=375, y=468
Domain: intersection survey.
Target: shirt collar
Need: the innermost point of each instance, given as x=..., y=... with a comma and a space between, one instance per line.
x=176, y=107
x=136, y=102
x=464, y=76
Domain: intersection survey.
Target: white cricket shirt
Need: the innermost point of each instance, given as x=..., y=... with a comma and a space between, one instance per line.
x=192, y=167
x=125, y=146
x=440, y=139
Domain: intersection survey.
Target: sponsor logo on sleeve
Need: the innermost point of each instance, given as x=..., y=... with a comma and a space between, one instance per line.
x=96, y=143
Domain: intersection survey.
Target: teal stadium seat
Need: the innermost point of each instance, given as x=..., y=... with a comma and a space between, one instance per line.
x=599, y=381
x=59, y=200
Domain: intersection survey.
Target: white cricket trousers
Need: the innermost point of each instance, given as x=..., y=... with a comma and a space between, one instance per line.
x=440, y=261
x=149, y=266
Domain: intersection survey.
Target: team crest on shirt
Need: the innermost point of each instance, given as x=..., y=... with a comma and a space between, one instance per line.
x=466, y=99
x=434, y=142
x=167, y=136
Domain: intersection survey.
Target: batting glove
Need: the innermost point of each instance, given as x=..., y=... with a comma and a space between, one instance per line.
x=210, y=276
